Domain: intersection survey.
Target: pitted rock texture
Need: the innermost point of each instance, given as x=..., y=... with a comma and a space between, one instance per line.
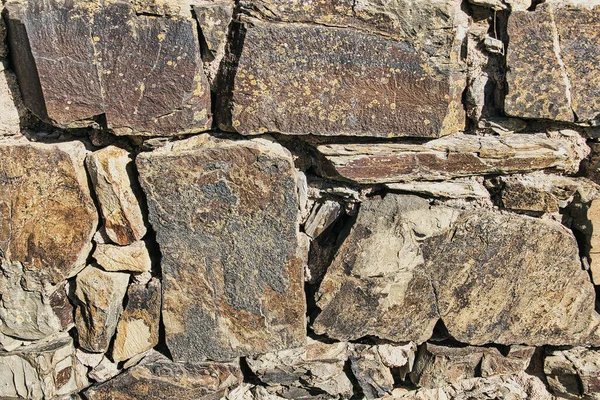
x=158, y=377
x=225, y=214
x=286, y=78
x=81, y=60
x=489, y=293
x=552, y=60
x=47, y=216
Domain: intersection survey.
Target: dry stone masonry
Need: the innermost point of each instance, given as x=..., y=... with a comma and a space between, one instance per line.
x=300, y=199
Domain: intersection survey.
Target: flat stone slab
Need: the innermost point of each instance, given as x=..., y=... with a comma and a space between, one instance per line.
x=300, y=79
x=47, y=216
x=225, y=214
x=450, y=157
x=552, y=63
x=78, y=60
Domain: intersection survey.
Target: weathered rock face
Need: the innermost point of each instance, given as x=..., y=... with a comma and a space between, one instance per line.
x=9, y=103
x=78, y=60
x=317, y=366
x=555, y=48
x=100, y=302
x=27, y=313
x=47, y=217
x=111, y=171
x=137, y=330
x=450, y=157
x=225, y=214
x=285, y=78
x=158, y=377
x=40, y=371
x=488, y=293
x=519, y=386
x=374, y=378
x=132, y=258
x=574, y=373
x=376, y=284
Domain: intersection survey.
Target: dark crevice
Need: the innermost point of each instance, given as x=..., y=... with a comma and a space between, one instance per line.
x=249, y=375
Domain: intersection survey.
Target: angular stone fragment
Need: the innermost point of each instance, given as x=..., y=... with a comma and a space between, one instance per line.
x=438, y=366
x=450, y=157
x=100, y=302
x=396, y=356
x=489, y=293
x=30, y=314
x=459, y=189
x=40, y=371
x=573, y=373
x=495, y=363
x=552, y=60
x=213, y=19
x=137, y=330
x=111, y=171
x=374, y=378
x=520, y=386
x=47, y=217
x=104, y=370
x=226, y=219
x=316, y=366
x=314, y=79
x=376, y=284
x=132, y=258
x=543, y=192
x=157, y=377
x=78, y=60
x=10, y=105
x=321, y=217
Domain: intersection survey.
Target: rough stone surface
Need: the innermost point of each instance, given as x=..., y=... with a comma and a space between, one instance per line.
x=574, y=373
x=137, y=330
x=316, y=366
x=552, y=56
x=376, y=284
x=458, y=189
x=225, y=214
x=453, y=156
x=10, y=104
x=100, y=302
x=132, y=258
x=489, y=293
x=47, y=217
x=29, y=314
x=495, y=363
x=79, y=60
x=438, y=366
x=374, y=378
x=111, y=171
x=321, y=217
x=158, y=377
x=286, y=79
x=520, y=386
x=40, y=371
x=213, y=18
x=104, y=370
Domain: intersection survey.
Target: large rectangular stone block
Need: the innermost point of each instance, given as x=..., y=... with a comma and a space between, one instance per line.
x=226, y=219
x=403, y=77
x=77, y=60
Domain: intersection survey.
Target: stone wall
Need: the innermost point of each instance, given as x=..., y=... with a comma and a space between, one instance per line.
x=300, y=199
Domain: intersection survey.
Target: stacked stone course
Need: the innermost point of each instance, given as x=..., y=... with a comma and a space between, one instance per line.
x=299, y=199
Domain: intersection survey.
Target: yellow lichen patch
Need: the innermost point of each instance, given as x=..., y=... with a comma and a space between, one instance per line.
x=199, y=115
x=161, y=36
